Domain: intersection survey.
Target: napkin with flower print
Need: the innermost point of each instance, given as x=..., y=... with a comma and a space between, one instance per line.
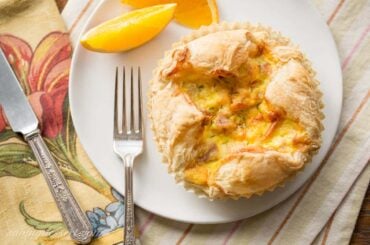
x=41, y=59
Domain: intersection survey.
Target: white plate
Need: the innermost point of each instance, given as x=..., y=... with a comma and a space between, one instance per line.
x=91, y=97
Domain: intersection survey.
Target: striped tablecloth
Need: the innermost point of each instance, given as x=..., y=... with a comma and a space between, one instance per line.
x=325, y=209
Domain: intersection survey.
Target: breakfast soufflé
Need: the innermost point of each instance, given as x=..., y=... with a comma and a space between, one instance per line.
x=235, y=110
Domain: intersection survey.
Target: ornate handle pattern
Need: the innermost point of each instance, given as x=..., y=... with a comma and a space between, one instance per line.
x=129, y=238
x=74, y=218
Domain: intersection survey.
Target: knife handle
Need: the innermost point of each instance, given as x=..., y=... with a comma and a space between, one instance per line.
x=74, y=218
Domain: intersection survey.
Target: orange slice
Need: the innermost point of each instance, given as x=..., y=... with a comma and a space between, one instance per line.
x=191, y=13
x=129, y=30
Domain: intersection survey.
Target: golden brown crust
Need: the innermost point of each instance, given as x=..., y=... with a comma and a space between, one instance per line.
x=293, y=89
x=249, y=173
x=175, y=127
x=225, y=50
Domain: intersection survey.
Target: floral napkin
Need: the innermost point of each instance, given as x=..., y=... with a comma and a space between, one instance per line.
x=35, y=42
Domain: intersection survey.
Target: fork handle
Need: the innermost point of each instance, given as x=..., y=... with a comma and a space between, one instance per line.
x=129, y=237
x=74, y=218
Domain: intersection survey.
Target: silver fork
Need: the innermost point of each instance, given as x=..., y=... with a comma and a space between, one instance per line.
x=128, y=142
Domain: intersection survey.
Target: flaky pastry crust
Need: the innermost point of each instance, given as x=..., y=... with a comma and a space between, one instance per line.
x=235, y=110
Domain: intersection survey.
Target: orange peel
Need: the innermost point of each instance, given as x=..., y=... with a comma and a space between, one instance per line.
x=129, y=30
x=193, y=14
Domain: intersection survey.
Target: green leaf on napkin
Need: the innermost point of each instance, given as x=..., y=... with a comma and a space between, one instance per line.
x=7, y=134
x=19, y=170
x=56, y=151
x=17, y=160
x=48, y=226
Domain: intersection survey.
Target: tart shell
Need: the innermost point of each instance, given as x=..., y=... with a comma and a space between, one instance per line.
x=264, y=171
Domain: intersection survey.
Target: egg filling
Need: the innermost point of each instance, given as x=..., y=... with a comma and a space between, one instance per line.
x=238, y=119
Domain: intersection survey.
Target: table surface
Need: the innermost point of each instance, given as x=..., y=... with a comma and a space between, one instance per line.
x=361, y=234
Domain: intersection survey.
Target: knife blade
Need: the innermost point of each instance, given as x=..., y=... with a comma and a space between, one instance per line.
x=18, y=111
x=23, y=120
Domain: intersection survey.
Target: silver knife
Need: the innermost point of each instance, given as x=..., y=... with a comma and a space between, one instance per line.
x=22, y=120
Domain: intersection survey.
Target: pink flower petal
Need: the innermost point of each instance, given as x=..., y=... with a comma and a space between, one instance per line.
x=35, y=101
x=50, y=126
x=2, y=120
x=53, y=49
x=58, y=76
x=19, y=54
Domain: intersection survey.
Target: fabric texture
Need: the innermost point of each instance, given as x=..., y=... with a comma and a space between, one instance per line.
x=323, y=211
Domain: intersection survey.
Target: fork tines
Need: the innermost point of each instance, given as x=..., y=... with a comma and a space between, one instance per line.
x=128, y=112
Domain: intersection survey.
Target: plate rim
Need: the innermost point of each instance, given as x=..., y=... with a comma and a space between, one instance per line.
x=335, y=127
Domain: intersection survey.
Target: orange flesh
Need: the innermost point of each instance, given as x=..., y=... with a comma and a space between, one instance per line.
x=129, y=30
x=191, y=13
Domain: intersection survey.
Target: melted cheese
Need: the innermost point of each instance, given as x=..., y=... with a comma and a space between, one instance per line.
x=202, y=174
x=239, y=115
